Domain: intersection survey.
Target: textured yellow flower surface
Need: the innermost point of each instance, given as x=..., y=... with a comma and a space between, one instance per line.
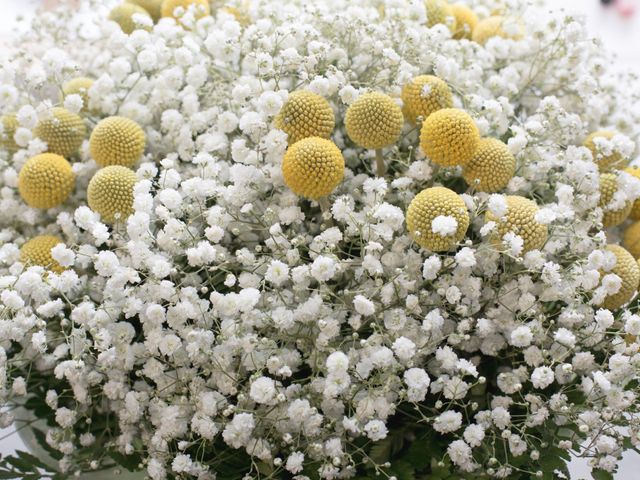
x=439, y=11
x=491, y=167
x=169, y=7
x=427, y=206
x=46, y=180
x=374, y=120
x=605, y=162
x=110, y=193
x=466, y=21
x=424, y=95
x=631, y=239
x=449, y=137
x=520, y=219
x=608, y=188
x=79, y=86
x=117, y=141
x=153, y=7
x=305, y=114
x=9, y=127
x=493, y=27
x=629, y=272
x=123, y=16
x=63, y=131
x=635, y=210
x=313, y=167
x=37, y=252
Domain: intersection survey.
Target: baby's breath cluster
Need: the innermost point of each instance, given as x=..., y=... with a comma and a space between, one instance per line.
x=318, y=240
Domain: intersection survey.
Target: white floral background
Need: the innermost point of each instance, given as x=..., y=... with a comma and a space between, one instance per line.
x=621, y=36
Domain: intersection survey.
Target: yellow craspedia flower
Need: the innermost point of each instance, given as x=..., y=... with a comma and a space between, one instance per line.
x=202, y=8
x=9, y=126
x=79, y=86
x=491, y=167
x=313, y=167
x=117, y=141
x=493, y=27
x=520, y=219
x=63, y=131
x=153, y=7
x=46, y=181
x=466, y=21
x=439, y=11
x=635, y=210
x=631, y=239
x=424, y=95
x=305, y=114
x=605, y=162
x=608, y=188
x=433, y=204
x=627, y=269
x=374, y=120
x=449, y=137
x=37, y=252
x=110, y=193
x=123, y=16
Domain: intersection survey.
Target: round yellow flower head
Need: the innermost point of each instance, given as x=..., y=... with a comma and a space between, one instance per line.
x=449, y=137
x=79, y=86
x=493, y=27
x=434, y=204
x=37, y=252
x=631, y=239
x=46, y=181
x=491, y=168
x=608, y=188
x=110, y=193
x=153, y=7
x=635, y=210
x=520, y=219
x=313, y=167
x=63, y=131
x=117, y=141
x=9, y=126
x=202, y=8
x=466, y=21
x=123, y=16
x=605, y=162
x=305, y=114
x=627, y=269
x=439, y=11
x=374, y=120
x=424, y=95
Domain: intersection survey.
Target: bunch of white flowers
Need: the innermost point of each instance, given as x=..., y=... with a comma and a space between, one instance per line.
x=236, y=241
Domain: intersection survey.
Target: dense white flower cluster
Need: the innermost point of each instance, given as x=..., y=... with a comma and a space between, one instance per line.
x=229, y=318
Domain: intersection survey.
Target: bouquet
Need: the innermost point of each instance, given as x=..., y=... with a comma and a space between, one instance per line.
x=318, y=240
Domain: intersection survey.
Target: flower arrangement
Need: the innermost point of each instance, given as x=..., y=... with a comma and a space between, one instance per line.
x=318, y=240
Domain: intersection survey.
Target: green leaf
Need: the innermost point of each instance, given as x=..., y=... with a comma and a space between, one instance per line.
x=601, y=475
x=130, y=462
x=402, y=470
x=42, y=441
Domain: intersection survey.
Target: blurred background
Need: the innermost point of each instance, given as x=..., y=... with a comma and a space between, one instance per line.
x=618, y=24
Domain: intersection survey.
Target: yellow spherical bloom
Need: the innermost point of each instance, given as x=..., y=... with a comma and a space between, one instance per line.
x=123, y=16
x=110, y=193
x=605, y=162
x=449, y=137
x=635, y=210
x=46, y=181
x=627, y=269
x=202, y=8
x=466, y=21
x=439, y=11
x=374, y=120
x=426, y=207
x=153, y=7
x=424, y=95
x=491, y=167
x=313, y=167
x=494, y=27
x=63, y=131
x=79, y=86
x=117, y=141
x=520, y=220
x=631, y=239
x=9, y=126
x=608, y=188
x=37, y=252
x=305, y=114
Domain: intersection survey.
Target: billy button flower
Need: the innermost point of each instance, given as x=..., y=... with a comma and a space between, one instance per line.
x=305, y=114
x=627, y=269
x=45, y=181
x=424, y=95
x=110, y=193
x=63, y=131
x=117, y=141
x=37, y=252
x=520, y=220
x=608, y=188
x=449, y=137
